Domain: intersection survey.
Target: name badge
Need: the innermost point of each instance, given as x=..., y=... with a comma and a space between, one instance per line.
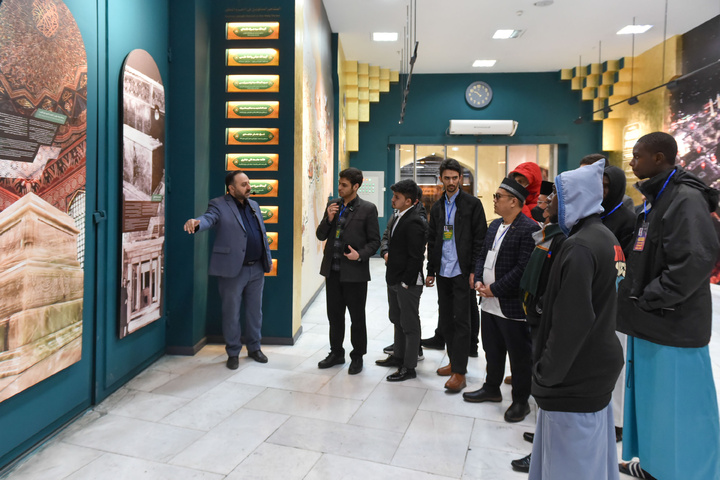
x=337, y=232
x=641, y=237
x=447, y=232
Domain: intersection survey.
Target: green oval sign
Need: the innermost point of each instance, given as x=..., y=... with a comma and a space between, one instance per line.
x=253, y=136
x=251, y=161
x=252, y=32
x=254, y=110
x=258, y=58
x=253, y=84
x=266, y=213
x=261, y=188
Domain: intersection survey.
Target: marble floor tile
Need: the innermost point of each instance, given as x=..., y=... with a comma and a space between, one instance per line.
x=307, y=405
x=119, y=467
x=486, y=464
x=436, y=401
x=146, y=406
x=357, y=387
x=221, y=449
x=435, y=443
x=54, y=460
x=275, y=461
x=213, y=406
x=134, y=438
x=150, y=379
x=334, y=466
x=337, y=438
x=501, y=435
x=281, y=379
x=389, y=407
x=197, y=381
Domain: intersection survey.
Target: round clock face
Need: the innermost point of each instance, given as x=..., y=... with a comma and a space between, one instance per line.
x=478, y=94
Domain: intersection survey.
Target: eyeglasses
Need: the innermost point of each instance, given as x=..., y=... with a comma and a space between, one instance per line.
x=497, y=196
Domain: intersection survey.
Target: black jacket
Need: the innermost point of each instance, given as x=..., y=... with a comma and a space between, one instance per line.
x=510, y=262
x=469, y=232
x=406, y=250
x=361, y=231
x=618, y=218
x=665, y=297
x=419, y=210
x=577, y=357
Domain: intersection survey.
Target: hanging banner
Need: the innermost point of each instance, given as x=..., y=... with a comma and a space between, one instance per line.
x=267, y=162
x=252, y=57
x=252, y=136
x=252, y=83
x=252, y=110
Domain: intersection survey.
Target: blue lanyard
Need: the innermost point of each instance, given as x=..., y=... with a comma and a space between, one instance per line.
x=501, y=237
x=657, y=197
x=612, y=211
x=342, y=210
x=449, y=207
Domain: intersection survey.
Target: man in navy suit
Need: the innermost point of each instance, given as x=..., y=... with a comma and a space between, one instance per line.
x=240, y=259
x=505, y=253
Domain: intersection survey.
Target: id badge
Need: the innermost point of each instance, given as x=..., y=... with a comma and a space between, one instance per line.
x=641, y=237
x=337, y=233
x=490, y=259
x=447, y=232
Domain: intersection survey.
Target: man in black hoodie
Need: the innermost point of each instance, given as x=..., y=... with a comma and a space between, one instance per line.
x=665, y=307
x=577, y=357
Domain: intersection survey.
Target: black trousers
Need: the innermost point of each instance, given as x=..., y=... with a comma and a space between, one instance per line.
x=340, y=296
x=454, y=302
x=474, y=325
x=501, y=336
x=403, y=312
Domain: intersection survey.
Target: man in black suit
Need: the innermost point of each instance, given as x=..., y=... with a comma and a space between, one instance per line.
x=499, y=268
x=350, y=225
x=455, y=238
x=405, y=255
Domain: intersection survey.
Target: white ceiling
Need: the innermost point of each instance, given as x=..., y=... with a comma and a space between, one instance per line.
x=454, y=33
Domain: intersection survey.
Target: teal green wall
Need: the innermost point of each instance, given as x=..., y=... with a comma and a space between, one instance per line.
x=110, y=31
x=542, y=104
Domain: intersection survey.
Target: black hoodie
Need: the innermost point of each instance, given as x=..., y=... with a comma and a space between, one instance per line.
x=617, y=217
x=665, y=297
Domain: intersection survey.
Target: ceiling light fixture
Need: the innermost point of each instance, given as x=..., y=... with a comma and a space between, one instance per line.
x=506, y=34
x=384, y=36
x=543, y=3
x=634, y=29
x=484, y=63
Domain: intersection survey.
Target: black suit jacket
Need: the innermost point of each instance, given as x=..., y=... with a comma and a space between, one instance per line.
x=406, y=250
x=469, y=232
x=361, y=231
x=510, y=263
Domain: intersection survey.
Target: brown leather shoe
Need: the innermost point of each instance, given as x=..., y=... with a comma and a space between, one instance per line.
x=456, y=383
x=508, y=380
x=445, y=371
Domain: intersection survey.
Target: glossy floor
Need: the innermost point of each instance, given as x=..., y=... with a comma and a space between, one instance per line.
x=192, y=418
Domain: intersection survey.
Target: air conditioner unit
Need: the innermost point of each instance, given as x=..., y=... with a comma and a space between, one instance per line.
x=483, y=127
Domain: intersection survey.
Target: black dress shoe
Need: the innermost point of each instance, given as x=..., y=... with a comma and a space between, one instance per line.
x=232, y=363
x=258, y=356
x=482, y=395
x=390, y=361
x=521, y=464
x=528, y=436
x=402, y=374
x=356, y=365
x=331, y=360
x=517, y=412
x=389, y=349
x=433, y=343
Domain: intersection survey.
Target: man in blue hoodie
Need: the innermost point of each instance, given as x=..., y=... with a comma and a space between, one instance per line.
x=577, y=356
x=665, y=307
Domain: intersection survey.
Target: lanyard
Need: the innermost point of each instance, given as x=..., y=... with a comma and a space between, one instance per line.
x=612, y=211
x=657, y=197
x=342, y=210
x=500, y=237
x=449, y=207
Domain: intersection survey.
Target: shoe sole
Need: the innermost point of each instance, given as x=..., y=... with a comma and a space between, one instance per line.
x=322, y=367
x=483, y=400
x=516, y=419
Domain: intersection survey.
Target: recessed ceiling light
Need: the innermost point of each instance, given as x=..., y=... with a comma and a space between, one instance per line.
x=484, y=63
x=384, y=36
x=634, y=29
x=505, y=34
x=455, y=149
x=543, y=3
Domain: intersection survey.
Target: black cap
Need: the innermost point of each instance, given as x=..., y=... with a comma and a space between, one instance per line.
x=515, y=188
x=546, y=188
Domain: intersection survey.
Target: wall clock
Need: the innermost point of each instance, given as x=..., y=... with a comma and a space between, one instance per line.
x=478, y=94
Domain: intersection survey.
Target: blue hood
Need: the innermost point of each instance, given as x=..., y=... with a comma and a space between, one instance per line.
x=580, y=194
